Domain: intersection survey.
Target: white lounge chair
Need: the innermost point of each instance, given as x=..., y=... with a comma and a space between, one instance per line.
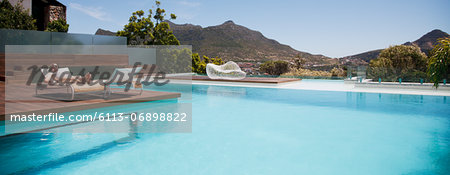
x=72, y=88
x=116, y=77
x=227, y=71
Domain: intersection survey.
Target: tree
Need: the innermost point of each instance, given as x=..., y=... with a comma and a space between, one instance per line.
x=59, y=25
x=216, y=61
x=398, y=62
x=142, y=30
x=438, y=64
x=199, y=65
x=299, y=62
x=15, y=17
x=338, y=72
x=274, y=67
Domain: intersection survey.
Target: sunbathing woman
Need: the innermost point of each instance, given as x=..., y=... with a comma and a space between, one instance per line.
x=53, y=69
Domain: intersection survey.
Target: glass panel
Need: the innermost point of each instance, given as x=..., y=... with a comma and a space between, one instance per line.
x=109, y=40
x=143, y=55
x=23, y=37
x=59, y=38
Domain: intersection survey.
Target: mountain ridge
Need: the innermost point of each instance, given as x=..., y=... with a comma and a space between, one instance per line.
x=231, y=41
x=104, y=32
x=425, y=42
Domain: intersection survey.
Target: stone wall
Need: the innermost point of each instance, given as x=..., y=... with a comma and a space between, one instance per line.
x=56, y=12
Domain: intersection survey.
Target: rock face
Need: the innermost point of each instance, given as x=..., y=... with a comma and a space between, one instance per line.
x=426, y=43
x=104, y=32
x=233, y=42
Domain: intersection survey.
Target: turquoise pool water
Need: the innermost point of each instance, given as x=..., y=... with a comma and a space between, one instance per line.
x=237, y=130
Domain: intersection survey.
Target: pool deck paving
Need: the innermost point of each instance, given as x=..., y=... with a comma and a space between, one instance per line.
x=339, y=85
x=257, y=80
x=23, y=100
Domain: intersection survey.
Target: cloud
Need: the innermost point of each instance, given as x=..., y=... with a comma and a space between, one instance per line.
x=95, y=12
x=186, y=16
x=189, y=4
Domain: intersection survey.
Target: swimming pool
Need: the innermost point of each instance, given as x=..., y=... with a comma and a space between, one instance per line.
x=243, y=130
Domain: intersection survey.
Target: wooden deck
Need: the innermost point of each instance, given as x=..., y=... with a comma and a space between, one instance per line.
x=24, y=100
x=245, y=80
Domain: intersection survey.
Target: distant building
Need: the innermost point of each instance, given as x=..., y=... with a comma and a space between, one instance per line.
x=44, y=11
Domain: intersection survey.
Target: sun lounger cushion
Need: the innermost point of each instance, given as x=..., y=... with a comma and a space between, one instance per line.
x=61, y=71
x=87, y=87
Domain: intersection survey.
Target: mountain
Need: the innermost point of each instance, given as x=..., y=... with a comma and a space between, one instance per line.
x=105, y=32
x=230, y=41
x=425, y=43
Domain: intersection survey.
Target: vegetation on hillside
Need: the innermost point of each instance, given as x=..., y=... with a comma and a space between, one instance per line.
x=338, y=72
x=299, y=62
x=274, y=67
x=15, y=17
x=300, y=72
x=297, y=69
x=59, y=25
x=438, y=63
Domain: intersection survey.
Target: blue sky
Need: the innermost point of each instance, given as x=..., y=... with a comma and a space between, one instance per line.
x=329, y=27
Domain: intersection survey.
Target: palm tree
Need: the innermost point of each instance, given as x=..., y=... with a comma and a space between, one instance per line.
x=438, y=64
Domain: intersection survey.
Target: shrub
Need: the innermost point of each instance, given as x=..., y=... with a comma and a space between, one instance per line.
x=397, y=61
x=199, y=65
x=338, y=72
x=59, y=25
x=274, y=67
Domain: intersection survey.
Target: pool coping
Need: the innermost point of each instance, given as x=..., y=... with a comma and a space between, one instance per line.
x=329, y=85
x=259, y=80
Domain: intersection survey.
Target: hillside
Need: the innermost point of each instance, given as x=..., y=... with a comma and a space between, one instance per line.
x=238, y=43
x=425, y=43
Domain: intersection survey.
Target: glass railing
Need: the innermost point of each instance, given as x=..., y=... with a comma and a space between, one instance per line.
x=363, y=74
x=31, y=37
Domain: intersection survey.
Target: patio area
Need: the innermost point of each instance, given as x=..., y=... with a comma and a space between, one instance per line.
x=25, y=101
